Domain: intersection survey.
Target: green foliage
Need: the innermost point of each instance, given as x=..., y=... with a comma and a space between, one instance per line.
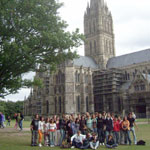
x=10, y=108
x=32, y=33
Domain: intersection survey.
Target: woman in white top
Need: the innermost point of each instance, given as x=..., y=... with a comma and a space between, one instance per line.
x=52, y=129
x=41, y=130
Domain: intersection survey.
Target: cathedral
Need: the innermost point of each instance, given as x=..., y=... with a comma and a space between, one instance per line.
x=100, y=80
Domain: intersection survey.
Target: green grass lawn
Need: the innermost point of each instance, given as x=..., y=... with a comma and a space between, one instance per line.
x=11, y=139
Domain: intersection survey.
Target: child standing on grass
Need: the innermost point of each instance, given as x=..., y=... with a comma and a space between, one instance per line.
x=52, y=129
x=8, y=120
x=41, y=130
x=46, y=132
x=16, y=118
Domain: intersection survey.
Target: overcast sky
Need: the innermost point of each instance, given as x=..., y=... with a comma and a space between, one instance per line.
x=131, y=26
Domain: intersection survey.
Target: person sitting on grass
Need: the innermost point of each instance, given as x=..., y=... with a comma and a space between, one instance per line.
x=94, y=141
x=77, y=140
x=111, y=143
x=86, y=141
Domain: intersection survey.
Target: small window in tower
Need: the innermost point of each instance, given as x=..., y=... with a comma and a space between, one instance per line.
x=95, y=46
x=90, y=47
x=59, y=104
x=89, y=27
x=78, y=103
x=94, y=27
x=55, y=105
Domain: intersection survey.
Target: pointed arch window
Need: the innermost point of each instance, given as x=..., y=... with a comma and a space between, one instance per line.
x=95, y=45
x=91, y=47
x=55, y=105
x=87, y=104
x=47, y=107
x=59, y=104
x=78, y=103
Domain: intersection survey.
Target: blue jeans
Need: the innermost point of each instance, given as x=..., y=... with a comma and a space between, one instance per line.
x=111, y=146
x=52, y=138
x=34, y=137
x=116, y=137
x=134, y=135
x=62, y=135
x=101, y=135
x=20, y=124
x=94, y=145
x=76, y=144
x=127, y=137
x=95, y=130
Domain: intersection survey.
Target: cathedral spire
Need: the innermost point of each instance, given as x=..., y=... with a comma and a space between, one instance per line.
x=98, y=29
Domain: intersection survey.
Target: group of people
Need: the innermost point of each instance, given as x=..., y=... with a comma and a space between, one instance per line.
x=18, y=120
x=83, y=131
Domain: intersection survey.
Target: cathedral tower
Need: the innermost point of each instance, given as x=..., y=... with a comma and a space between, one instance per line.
x=98, y=30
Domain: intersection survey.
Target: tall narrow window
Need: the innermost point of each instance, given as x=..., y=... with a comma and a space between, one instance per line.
x=94, y=27
x=47, y=107
x=95, y=46
x=78, y=103
x=87, y=104
x=55, y=105
x=59, y=104
x=76, y=77
x=89, y=27
x=90, y=47
x=79, y=77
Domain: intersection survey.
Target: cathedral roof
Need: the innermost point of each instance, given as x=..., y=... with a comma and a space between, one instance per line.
x=85, y=61
x=129, y=59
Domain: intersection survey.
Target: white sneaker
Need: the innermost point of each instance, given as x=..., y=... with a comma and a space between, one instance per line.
x=40, y=145
x=103, y=144
x=72, y=146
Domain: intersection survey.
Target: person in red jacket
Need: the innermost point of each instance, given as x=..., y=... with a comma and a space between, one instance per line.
x=116, y=130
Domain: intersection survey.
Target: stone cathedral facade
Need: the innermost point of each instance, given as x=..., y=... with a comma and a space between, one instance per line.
x=98, y=81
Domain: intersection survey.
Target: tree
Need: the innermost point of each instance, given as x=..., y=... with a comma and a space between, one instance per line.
x=9, y=108
x=31, y=33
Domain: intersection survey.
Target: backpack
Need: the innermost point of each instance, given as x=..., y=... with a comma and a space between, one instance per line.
x=141, y=142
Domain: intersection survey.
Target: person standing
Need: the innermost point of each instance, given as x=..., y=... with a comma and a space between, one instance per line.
x=8, y=120
x=52, y=129
x=16, y=119
x=34, y=130
x=116, y=130
x=62, y=126
x=100, y=129
x=57, y=133
x=109, y=125
x=46, y=132
x=0, y=119
x=20, y=121
x=131, y=119
x=41, y=130
x=126, y=130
